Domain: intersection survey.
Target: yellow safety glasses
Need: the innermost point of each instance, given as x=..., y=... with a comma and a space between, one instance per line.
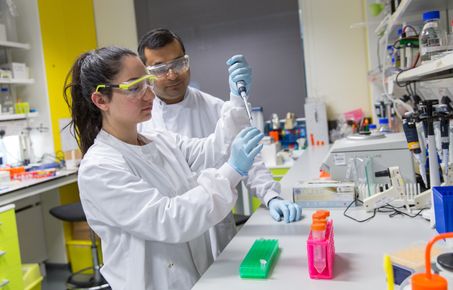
x=132, y=88
x=179, y=65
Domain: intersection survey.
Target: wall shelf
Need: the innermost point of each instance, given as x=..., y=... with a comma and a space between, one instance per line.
x=11, y=44
x=17, y=81
x=436, y=69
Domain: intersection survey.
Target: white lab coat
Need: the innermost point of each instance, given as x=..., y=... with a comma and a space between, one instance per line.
x=196, y=116
x=151, y=210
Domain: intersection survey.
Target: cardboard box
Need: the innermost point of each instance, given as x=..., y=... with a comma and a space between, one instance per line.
x=72, y=159
x=19, y=70
x=80, y=231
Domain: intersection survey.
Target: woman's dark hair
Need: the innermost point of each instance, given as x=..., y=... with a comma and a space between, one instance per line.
x=157, y=38
x=92, y=68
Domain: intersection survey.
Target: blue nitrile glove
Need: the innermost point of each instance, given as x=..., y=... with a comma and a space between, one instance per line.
x=239, y=70
x=290, y=211
x=244, y=149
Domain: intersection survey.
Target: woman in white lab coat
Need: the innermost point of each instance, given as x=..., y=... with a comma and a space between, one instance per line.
x=140, y=193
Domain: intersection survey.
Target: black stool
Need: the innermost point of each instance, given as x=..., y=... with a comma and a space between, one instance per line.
x=82, y=280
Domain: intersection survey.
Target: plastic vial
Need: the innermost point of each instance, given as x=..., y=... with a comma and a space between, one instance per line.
x=258, y=119
x=384, y=125
x=372, y=128
x=318, y=232
x=433, y=38
x=7, y=101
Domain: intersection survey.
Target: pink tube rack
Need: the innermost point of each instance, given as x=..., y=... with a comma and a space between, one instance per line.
x=328, y=245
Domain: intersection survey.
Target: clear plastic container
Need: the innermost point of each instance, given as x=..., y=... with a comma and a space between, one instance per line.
x=258, y=119
x=6, y=101
x=384, y=125
x=433, y=39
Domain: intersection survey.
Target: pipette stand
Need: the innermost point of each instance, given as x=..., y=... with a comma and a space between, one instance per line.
x=397, y=190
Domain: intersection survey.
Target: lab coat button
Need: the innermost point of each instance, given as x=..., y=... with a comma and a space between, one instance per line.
x=170, y=265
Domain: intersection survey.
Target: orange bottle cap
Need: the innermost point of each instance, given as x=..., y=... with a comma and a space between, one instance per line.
x=318, y=227
x=318, y=215
x=324, y=212
x=420, y=281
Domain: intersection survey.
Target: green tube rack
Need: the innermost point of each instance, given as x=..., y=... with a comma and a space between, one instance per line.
x=259, y=259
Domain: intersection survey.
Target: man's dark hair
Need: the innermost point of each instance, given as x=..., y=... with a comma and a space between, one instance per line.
x=157, y=38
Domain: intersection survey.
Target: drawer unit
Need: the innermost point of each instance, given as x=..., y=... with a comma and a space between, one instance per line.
x=11, y=280
x=9, y=255
x=7, y=224
x=10, y=263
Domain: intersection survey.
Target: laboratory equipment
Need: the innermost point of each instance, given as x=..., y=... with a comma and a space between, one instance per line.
x=316, y=120
x=384, y=125
x=290, y=121
x=318, y=232
x=258, y=118
x=396, y=190
x=428, y=117
x=408, y=261
x=428, y=280
x=443, y=208
x=259, y=259
x=7, y=101
x=275, y=122
x=323, y=193
x=243, y=92
x=413, y=144
x=389, y=151
x=388, y=269
x=3, y=152
x=327, y=246
x=433, y=38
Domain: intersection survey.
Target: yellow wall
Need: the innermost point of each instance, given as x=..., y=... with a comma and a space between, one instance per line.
x=67, y=29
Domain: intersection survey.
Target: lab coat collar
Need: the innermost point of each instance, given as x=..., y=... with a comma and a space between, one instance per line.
x=159, y=102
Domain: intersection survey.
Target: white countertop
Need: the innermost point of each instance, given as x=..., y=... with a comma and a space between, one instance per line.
x=16, y=185
x=359, y=252
x=6, y=207
x=20, y=190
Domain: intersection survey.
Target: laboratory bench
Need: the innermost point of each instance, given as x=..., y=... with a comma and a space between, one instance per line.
x=19, y=190
x=41, y=236
x=359, y=247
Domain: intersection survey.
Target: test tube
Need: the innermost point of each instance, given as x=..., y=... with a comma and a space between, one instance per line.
x=318, y=232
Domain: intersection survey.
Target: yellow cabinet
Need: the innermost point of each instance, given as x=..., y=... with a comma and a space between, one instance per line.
x=10, y=263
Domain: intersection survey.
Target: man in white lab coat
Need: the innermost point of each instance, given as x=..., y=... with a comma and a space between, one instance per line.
x=193, y=113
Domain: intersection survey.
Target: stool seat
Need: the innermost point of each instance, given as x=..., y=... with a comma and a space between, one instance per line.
x=69, y=213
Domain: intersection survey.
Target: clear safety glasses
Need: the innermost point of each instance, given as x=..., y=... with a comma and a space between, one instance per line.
x=134, y=88
x=178, y=66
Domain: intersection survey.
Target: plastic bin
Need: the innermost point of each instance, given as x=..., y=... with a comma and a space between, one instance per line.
x=80, y=255
x=329, y=246
x=32, y=277
x=443, y=208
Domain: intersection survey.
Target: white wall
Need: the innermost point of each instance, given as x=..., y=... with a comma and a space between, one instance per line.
x=115, y=23
x=335, y=55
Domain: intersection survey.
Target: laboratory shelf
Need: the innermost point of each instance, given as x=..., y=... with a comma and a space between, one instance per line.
x=11, y=44
x=410, y=11
x=433, y=70
x=17, y=81
x=14, y=117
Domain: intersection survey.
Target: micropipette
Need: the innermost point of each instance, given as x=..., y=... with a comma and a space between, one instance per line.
x=243, y=92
